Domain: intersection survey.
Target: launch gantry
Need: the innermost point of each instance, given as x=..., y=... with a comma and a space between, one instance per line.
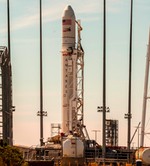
x=78, y=114
x=78, y=117
x=6, y=108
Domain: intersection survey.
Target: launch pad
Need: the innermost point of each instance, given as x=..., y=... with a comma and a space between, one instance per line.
x=72, y=146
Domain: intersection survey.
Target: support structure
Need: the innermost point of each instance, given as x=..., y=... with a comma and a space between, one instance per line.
x=76, y=112
x=111, y=132
x=41, y=113
x=145, y=96
x=6, y=108
x=78, y=118
x=128, y=116
x=104, y=83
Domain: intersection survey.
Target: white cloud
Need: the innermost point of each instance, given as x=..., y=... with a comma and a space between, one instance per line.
x=30, y=19
x=96, y=6
x=54, y=12
x=25, y=21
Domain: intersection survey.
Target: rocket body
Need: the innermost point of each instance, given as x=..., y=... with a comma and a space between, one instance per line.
x=72, y=91
x=68, y=67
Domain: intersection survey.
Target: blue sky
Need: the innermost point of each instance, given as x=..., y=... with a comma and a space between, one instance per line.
x=25, y=62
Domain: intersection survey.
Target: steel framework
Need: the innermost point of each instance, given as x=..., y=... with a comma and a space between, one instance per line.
x=111, y=132
x=6, y=108
x=78, y=111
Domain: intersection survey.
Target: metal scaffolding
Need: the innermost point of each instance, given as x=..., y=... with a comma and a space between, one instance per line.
x=111, y=132
x=6, y=108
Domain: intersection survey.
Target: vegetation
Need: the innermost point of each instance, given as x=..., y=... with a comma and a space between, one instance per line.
x=10, y=156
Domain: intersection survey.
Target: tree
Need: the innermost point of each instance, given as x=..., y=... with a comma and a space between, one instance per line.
x=11, y=156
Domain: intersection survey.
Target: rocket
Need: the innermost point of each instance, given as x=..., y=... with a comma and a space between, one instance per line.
x=72, y=75
x=72, y=90
x=68, y=68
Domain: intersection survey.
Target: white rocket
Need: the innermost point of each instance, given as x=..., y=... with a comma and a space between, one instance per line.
x=68, y=48
x=72, y=76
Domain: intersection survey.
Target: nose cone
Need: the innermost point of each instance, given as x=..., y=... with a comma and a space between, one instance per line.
x=68, y=12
